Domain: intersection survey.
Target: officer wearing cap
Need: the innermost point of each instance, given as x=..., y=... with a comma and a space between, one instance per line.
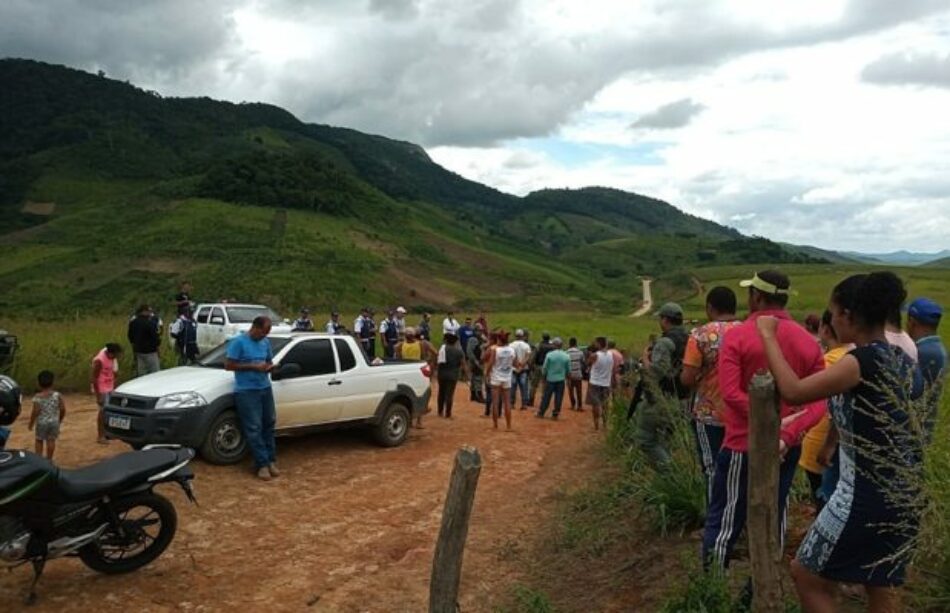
x=923, y=318
x=389, y=332
x=662, y=363
x=303, y=323
x=334, y=326
x=365, y=330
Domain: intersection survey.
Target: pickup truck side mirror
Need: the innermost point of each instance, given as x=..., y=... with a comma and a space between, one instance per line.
x=217, y=320
x=285, y=371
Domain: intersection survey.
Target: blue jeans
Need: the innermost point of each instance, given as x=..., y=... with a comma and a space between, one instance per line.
x=519, y=380
x=256, y=411
x=556, y=388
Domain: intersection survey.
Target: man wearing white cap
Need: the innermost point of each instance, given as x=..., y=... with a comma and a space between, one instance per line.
x=401, y=322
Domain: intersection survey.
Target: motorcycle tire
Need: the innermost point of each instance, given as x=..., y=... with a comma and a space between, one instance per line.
x=103, y=556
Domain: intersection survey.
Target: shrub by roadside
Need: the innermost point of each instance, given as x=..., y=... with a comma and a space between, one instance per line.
x=676, y=498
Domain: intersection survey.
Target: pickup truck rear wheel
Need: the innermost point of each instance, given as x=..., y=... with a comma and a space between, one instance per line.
x=225, y=442
x=393, y=428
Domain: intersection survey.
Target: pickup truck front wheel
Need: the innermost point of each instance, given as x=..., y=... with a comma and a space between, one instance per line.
x=225, y=442
x=393, y=428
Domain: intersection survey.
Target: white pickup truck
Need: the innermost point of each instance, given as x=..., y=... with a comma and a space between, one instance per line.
x=320, y=381
x=220, y=322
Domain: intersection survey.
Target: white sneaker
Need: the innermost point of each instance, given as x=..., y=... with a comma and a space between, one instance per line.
x=263, y=473
x=273, y=470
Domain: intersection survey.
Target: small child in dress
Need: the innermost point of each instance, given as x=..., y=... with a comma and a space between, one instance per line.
x=49, y=410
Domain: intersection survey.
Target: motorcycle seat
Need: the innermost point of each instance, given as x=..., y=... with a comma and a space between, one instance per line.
x=124, y=470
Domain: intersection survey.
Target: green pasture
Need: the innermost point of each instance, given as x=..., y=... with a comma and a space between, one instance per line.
x=813, y=282
x=67, y=346
x=66, y=341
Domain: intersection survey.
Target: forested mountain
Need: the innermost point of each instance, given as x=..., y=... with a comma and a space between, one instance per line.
x=110, y=192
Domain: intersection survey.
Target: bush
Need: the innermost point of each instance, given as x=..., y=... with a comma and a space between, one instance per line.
x=930, y=576
x=703, y=592
x=676, y=497
x=529, y=600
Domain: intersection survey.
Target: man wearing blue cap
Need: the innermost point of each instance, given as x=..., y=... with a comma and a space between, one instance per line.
x=923, y=317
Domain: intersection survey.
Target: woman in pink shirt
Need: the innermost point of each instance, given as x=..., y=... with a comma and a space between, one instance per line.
x=104, y=368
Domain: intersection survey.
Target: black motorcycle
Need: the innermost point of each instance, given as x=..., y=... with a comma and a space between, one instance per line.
x=108, y=514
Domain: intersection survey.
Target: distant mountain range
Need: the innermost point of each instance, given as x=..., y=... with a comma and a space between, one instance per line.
x=900, y=258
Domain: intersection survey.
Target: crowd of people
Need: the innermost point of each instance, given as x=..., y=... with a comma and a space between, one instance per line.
x=859, y=394
x=499, y=366
x=859, y=388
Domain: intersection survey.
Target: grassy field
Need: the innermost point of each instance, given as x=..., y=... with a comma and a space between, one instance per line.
x=814, y=282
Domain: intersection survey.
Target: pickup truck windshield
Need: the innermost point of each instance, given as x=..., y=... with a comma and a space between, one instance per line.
x=216, y=357
x=245, y=315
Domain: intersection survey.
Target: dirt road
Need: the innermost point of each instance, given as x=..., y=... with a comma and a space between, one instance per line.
x=347, y=527
x=647, y=300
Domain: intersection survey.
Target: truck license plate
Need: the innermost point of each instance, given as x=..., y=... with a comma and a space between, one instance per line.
x=122, y=423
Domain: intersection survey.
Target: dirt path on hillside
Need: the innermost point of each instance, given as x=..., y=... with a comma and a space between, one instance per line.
x=347, y=527
x=647, y=300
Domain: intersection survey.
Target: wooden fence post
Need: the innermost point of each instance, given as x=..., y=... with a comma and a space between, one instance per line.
x=765, y=547
x=447, y=561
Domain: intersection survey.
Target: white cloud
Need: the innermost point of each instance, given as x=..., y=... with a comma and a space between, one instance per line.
x=672, y=115
x=792, y=145
x=909, y=69
x=795, y=139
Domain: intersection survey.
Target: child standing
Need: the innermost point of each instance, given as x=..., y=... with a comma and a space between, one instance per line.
x=102, y=381
x=49, y=411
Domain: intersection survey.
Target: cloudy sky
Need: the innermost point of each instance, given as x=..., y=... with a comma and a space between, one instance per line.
x=823, y=122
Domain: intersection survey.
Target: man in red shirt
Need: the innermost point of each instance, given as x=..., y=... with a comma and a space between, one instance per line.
x=740, y=357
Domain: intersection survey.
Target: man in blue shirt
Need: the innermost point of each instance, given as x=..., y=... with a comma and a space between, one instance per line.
x=923, y=317
x=250, y=357
x=466, y=332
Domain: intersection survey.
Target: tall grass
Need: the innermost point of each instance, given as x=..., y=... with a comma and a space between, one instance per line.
x=674, y=498
x=930, y=576
x=67, y=348
x=702, y=592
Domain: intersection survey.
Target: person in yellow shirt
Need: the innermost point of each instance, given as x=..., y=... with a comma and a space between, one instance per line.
x=415, y=348
x=815, y=438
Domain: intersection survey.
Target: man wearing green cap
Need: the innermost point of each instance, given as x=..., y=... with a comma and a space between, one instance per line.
x=663, y=392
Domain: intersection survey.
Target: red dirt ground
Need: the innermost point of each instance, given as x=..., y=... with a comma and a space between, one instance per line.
x=347, y=527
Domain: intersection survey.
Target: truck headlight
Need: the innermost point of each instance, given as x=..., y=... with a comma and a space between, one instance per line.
x=181, y=400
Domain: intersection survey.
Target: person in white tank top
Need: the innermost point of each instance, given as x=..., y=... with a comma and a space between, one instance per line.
x=501, y=365
x=601, y=374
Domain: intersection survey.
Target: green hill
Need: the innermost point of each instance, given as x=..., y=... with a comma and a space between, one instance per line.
x=113, y=194
x=941, y=263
